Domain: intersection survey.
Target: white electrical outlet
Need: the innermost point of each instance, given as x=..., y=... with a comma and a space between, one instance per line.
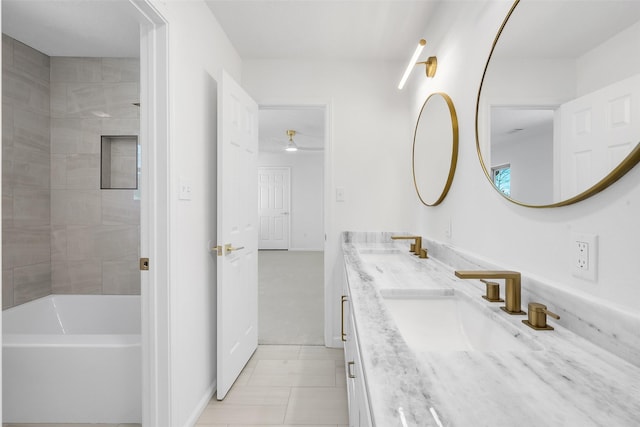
x=584, y=255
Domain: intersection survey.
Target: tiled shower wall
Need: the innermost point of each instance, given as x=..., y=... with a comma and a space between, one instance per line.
x=94, y=233
x=62, y=233
x=26, y=259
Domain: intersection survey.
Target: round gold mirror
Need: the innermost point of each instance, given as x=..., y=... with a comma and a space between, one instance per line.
x=557, y=114
x=435, y=149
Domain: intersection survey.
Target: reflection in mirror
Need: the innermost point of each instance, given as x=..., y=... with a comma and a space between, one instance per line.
x=555, y=121
x=119, y=162
x=435, y=149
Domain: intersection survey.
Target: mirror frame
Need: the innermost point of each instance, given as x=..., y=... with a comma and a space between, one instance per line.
x=618, y=172
x=454, y=148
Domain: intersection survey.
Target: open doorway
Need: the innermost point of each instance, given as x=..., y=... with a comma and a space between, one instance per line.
x=291, y=202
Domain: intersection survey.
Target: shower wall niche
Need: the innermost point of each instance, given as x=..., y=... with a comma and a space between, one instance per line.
x=75, y=237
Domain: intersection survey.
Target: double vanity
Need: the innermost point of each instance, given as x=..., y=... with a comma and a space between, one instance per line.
x=424, y=348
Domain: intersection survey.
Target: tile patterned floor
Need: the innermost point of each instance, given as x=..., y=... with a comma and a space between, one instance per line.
x=285, y=385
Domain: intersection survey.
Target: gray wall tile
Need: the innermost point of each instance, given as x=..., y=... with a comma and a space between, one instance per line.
x=31, y=207
x=83, y=171
x=76, y=70
x=31, y=130
x=22, y=90
x=58, y=171
x=121, y=277
x=117, y=241
x=76, y=207
x=7, y=288
x=58, y=243
x=31, y=282
x=82, y=243
x=120, y=70
x=31, y=62
x=77, y=277
x=26, y=245
x=75, y=136
x=7, y=207
x=61, y=233
x=119, y=207
x=31, y=168
x=25, y=174
x=7, y=51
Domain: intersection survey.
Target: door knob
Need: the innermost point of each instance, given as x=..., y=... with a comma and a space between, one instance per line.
x=285, y=213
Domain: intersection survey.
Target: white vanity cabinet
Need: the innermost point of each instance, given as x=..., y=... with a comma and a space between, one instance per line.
x=359, y=413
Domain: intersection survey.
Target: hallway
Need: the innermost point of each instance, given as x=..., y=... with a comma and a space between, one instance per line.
x=287, y=386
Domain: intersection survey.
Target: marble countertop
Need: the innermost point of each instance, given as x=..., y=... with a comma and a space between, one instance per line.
x=568, y=381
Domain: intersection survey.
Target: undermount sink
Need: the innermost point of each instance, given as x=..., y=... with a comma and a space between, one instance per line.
x=452, y=323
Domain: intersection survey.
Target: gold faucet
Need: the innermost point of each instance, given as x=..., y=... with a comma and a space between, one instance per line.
x=416, y=247
x=511, y=281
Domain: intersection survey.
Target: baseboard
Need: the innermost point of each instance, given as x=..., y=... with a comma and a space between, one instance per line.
x=307, y=249
x=202, y=404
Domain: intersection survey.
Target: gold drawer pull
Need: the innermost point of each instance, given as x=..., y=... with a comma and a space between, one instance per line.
x=344, y=335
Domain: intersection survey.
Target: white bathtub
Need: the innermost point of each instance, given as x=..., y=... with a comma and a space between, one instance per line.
x=72, y=359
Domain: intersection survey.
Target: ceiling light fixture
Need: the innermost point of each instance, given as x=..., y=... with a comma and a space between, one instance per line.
x=431, y=64
x=291, y=146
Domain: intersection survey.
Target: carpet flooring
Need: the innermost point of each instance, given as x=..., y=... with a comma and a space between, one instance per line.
x=291, y=297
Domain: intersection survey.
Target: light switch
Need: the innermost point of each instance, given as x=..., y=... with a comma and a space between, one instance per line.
x=339, y=194
x=185, y=190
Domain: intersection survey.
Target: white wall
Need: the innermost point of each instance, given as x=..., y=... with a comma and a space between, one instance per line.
x=369, y=145
x=307, y=176
x=198, y=49
x=533, y=241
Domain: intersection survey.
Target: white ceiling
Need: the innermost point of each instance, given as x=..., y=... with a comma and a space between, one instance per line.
x=94, y=28
x=564, y=29
x=324, y=29
x=307, y=122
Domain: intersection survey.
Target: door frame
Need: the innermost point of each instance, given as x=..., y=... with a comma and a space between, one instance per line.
x=154, y=227
x=155, y=215
x=289, y=191
x=330, y=236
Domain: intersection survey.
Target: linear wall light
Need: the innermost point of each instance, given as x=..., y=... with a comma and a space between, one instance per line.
x=431, y=64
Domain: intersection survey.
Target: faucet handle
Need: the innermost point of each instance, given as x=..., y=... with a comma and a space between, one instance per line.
x=493, y=291
x=538, y=317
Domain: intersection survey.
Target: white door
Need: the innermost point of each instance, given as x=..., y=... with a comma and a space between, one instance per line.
x=597, y=133
x=274, y=207
x=237, y=314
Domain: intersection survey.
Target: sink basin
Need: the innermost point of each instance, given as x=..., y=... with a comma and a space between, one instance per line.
x=453, y=323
